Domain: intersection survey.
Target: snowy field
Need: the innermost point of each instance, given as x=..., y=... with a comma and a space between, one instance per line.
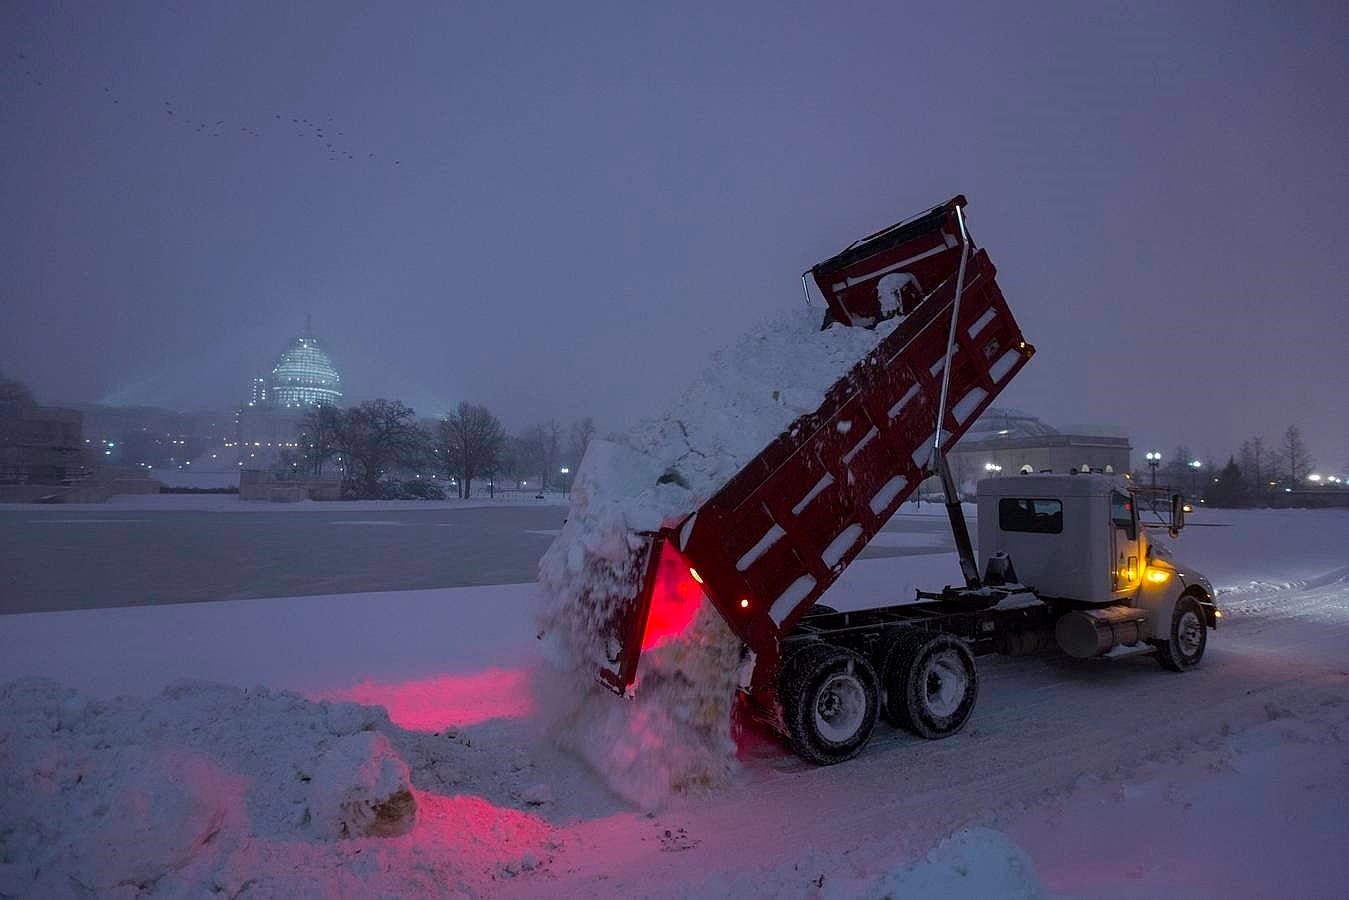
x=1114, y=779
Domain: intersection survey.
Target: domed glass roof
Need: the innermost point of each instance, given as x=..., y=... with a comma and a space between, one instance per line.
x=305, y=376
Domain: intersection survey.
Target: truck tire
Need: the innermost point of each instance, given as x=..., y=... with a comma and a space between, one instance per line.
x=1184, y=647
x=830, y=698
x=931, y=683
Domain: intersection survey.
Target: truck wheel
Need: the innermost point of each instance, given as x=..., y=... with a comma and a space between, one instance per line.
x=1189, y=636
x=930, y=684
x=830, y=697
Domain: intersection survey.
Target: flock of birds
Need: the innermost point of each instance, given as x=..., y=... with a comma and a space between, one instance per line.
x=322, y=133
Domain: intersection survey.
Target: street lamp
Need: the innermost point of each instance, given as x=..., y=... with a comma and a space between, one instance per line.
x=1194, y=476
x=1154, y=459
x=565, y=472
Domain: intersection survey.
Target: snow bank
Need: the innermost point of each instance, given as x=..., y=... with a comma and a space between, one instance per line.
x=209, y=788
x=675, y=735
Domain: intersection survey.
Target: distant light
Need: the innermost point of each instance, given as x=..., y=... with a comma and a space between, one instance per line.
x=1195, y=464
x=1314, y=477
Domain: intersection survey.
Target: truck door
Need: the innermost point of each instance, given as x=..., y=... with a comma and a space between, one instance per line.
x=1126, y=570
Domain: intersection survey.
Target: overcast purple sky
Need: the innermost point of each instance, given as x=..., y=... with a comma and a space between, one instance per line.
x=560, y=209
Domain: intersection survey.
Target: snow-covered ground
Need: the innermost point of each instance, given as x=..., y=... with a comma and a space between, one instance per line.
x=1079, y=779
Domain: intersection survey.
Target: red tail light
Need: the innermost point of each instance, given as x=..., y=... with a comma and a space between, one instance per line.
x=675, y=596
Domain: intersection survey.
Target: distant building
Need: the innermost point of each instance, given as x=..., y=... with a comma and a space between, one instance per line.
x=147, y=436
x=268, y=424
x=41, y=445
x=1004, y=441
x=303, y=376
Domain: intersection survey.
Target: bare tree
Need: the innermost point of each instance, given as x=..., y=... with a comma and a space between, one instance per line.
x=470, y=441
x=1255, y=463
x=376, y=437
x=582, y=433
x=552, y=450
x=1295, y=462
x=318, y=436
x=1177, y=469
x=513, y=462
x=542, y=445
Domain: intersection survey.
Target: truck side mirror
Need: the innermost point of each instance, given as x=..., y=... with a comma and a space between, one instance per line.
x=1177, y=514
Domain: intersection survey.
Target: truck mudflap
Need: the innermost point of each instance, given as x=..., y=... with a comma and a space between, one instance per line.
x=778, y=534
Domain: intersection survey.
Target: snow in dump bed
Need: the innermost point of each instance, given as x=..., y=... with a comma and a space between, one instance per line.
x=674, y=736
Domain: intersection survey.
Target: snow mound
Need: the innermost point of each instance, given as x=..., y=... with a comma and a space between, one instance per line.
x=361, y=788
x=209, y=788
x=674, y=735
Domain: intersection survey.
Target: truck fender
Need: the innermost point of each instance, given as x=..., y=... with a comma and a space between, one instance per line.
x=1160, y=602
x=1160, y=599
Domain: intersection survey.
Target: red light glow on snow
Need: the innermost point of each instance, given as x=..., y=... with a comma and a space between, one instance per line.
x=431, y=704
x=674, y=599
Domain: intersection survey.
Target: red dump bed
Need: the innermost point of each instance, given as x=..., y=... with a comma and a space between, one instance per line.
x=768, y=544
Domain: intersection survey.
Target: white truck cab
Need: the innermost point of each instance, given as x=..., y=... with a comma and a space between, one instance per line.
x=1077, y=542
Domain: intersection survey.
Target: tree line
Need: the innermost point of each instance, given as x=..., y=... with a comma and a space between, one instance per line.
x=381, y=450
x=1258, y=474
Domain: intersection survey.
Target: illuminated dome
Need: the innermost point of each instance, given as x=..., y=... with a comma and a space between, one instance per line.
x=304, y=376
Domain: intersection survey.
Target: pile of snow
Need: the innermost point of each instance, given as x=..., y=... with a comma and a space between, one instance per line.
x=208, y=788
x=675, y=735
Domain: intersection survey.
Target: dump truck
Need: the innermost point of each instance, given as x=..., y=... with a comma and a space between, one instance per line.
x=1069, y=563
